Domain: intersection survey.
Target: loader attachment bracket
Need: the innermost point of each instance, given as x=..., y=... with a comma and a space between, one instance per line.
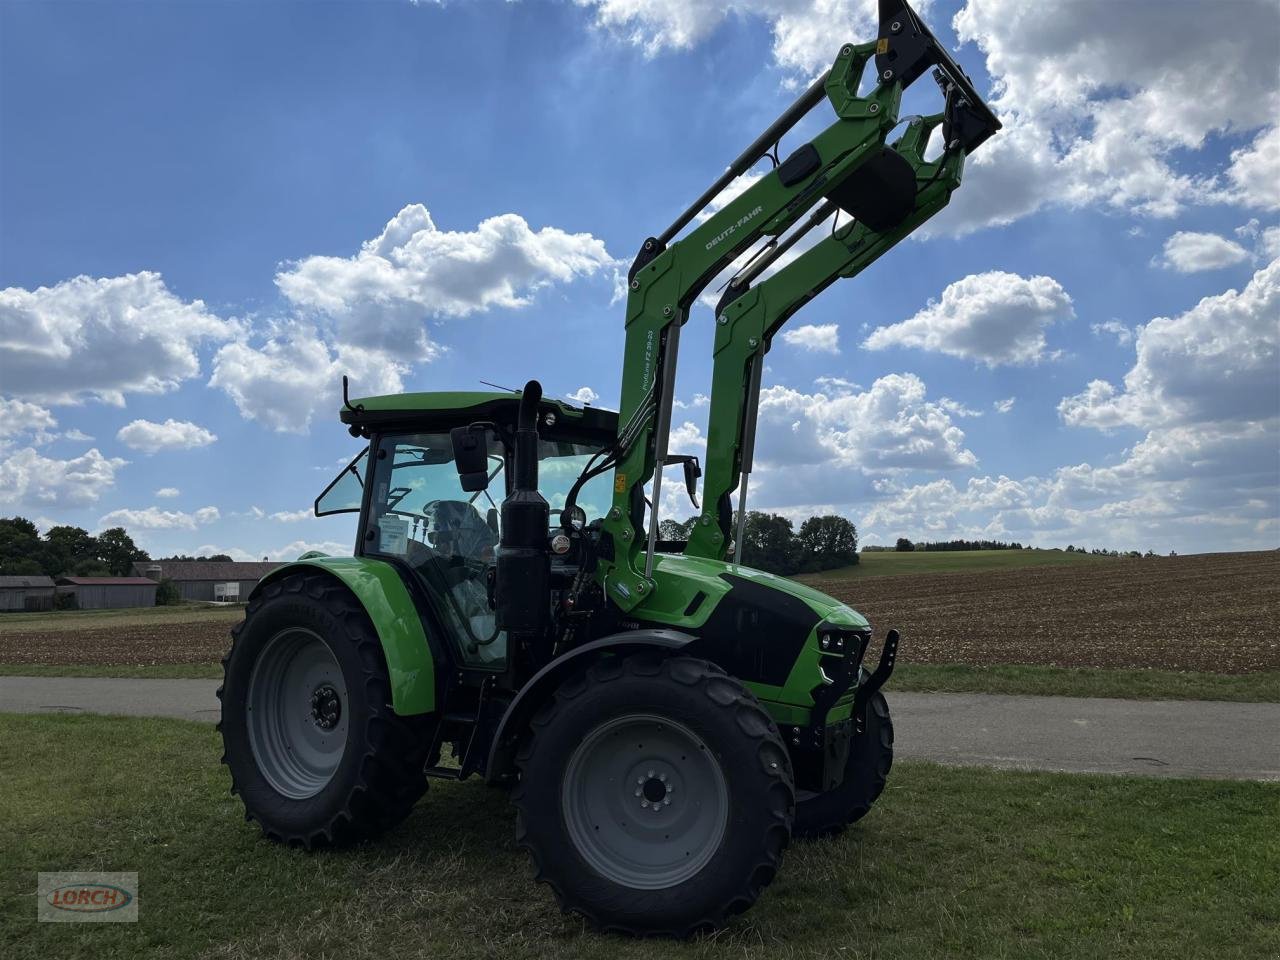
x=907, y=48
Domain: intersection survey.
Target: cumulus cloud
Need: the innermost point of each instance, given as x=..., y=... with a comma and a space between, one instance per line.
x=378, y=298
x=1005, y=405
x=1255, y=171
x=891, y=426
x=1218, y=361
x=1099, y=99
x=1190, y=252
x=102, y=338
x=19, y=416
x=283, y=381
x=167, y=492
x=150, y=437
x=153, y=518
x=816, y=338
x=27, y=477
x=995, y=318
x=583, y=395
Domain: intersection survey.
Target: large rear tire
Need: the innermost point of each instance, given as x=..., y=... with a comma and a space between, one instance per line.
x=655, y=796
x=315, y=751
x=865, y=775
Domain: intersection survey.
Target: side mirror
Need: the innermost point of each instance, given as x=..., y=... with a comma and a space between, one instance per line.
x=471, y=455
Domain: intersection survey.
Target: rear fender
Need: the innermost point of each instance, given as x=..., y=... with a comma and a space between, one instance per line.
x=385, y=599
x=543, y=684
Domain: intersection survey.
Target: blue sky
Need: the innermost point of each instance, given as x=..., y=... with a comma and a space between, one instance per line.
x=210, y=172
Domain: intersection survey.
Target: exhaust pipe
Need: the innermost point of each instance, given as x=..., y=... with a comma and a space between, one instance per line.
x=522, y=588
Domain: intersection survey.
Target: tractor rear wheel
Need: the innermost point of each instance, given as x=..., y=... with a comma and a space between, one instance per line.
x=655, y=796
x=865, y=774
x=314, y=749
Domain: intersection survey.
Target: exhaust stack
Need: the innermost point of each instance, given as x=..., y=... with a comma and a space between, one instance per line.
x=522, y=586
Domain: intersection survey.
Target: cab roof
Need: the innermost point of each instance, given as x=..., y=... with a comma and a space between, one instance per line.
x=459, y=407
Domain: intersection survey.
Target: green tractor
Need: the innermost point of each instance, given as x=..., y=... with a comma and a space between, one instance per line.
x=665, y=718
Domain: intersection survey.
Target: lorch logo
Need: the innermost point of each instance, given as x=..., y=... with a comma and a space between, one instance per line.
x=88, y=897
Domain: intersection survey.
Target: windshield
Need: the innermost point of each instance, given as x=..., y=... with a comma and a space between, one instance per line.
x=560, y=464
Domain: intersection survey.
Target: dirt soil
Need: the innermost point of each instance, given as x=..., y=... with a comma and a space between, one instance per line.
x=199, y=635
x=1218, y=613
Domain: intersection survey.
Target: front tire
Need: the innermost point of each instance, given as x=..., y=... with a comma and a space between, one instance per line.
x=315, y=751
x=655, y=796
x=865, y=775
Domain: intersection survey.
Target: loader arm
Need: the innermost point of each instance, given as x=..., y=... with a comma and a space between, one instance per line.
x=669, y=274
x=749, y=316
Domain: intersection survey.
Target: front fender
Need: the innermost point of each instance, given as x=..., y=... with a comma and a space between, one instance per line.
x=543, y=683
x=385, y=599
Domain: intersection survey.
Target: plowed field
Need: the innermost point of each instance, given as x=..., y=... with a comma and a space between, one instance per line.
x=1218, y=613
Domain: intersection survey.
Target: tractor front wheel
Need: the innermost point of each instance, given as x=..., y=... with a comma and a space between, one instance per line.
x=655, y=796
x=865, y=774
x=314, y=749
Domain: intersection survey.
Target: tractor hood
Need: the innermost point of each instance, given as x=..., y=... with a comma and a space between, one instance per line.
x=763, y=629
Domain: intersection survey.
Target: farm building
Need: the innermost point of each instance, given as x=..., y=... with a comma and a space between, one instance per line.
x=26, y=593
x=109, y=593
x=207, y=579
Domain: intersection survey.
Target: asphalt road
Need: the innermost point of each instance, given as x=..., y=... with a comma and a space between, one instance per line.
x=1184, y=738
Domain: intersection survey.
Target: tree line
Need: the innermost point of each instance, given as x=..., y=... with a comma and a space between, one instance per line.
x=771, y=542
x=67, y=551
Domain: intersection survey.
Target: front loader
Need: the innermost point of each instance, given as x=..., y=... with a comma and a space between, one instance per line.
x=665, y=717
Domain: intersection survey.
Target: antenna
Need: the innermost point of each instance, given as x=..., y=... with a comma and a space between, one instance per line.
x=498, y=386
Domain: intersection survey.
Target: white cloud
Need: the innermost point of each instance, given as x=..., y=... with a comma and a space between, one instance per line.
x=292, y=516
x=583, y=395
x=28, y=477
x=150, y=437
x=77, y=435
x=891, y=426
x=1123, y=334
x=19, y=416
x=958, y=409
x=1269, y=243
x=153, y=518
x=283, y=382
x=168, y=492
x=1099, y=99
x=1218, y=361
x=379, y=298
x=102, y=338
x=806, y=35
x=995, y=318
x=816, y=338
x=1255, y=171
x=1190, y=252
x=1005, y=405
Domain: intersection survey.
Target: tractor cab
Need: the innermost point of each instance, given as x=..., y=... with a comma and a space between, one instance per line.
x=416, y=513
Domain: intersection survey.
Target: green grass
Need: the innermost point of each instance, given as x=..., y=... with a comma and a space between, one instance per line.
x=1084, y=682
x=879, y=564
x=952, y=863
x=60, y=620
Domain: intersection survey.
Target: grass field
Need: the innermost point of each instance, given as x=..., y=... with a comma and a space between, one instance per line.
x=889, y=563
x=951, y=863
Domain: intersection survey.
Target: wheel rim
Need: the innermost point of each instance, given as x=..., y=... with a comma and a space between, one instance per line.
x=645, y=801
x=297, y=713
